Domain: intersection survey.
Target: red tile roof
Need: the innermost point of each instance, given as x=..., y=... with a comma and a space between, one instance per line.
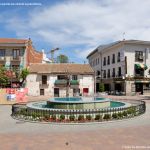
x=13, y=40
x=61, y=68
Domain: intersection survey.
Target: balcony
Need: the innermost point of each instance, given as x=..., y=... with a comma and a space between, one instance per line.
x=15, y=60
x=2, y=60
x=62, y=83
x=43, y=85
x=74, y=82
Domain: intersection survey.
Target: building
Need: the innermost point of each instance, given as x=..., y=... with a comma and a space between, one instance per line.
x=18, y=53
x=60, y=80
x=123, y=67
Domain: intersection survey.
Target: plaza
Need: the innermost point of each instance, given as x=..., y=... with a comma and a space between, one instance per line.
x=123, y=134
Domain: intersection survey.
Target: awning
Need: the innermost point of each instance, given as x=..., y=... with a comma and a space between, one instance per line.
x=141, y=66
x=74, y=82
x=138, y=81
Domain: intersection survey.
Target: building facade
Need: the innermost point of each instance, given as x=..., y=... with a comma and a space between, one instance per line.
x=18, y=53
x=123, y=67
x=60, y=80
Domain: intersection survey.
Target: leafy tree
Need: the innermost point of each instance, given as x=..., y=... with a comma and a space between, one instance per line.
x=62, y=59
x=4, y=79
x=23, y=75
x=101, y=87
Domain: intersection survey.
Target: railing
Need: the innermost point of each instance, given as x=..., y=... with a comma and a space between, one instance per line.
x=21, y=111
x=18, y=58
x=2, y=58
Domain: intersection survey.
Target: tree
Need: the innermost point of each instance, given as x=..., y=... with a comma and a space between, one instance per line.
x=62, y=59
x=101, y=87
x=23, y=75
x=4, y=80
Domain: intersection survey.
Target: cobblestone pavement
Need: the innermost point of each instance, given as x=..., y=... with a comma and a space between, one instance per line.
x=126, y=134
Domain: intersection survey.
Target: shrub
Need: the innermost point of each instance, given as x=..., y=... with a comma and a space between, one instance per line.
x=101, y=87
x=124, y=113
x=120, y=115
x=88, y=117
x=81, y=117
x=62, y=117
x=53, y=117
x=98, y=117
x=107, y=116
x=115, y=116
x=72, y=117
x=131, y=111
x=46, y=116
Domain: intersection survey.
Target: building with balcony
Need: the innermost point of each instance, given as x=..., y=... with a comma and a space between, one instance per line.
x=123, y=66
x=18, y=53
x=60, y=80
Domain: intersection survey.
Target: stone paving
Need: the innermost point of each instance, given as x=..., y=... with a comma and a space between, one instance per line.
x=127, y=134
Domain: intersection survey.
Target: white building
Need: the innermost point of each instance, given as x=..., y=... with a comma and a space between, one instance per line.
x=60, y=80
x=123, y=66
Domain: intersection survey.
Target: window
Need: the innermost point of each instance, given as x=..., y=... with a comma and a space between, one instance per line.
x=2, y=52
x=104, y=74
x=98, y=72
x=113, y=58
x=119, y=71
x=108, y=73
x=74, y=77
x=108, y=60
x=104, y=62
x=113, y=73
x=61, y=77
x=16, y=53
x=138, y=56
x=44, y=79
x=118, y=57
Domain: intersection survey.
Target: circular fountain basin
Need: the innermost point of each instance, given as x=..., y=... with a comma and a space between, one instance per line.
x=78, y=103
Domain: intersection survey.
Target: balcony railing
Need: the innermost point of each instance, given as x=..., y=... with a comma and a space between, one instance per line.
x=61, y=82
x=15, y=58
x=2, y=60
x=44, y=85
x=74, y=82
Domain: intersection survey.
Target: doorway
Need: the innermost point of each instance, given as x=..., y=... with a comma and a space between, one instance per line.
x=86, y=90
x=139, y=87
x=41, y=91
x=56, y=92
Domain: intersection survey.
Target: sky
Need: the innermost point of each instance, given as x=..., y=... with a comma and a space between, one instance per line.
x=77, y=27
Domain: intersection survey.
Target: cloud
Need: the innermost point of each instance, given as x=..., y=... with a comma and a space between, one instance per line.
x=85, y=24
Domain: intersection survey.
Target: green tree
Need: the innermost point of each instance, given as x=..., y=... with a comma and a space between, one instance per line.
x=23, y=75
x=4, y=79
x=101, y=87
x=62, y=59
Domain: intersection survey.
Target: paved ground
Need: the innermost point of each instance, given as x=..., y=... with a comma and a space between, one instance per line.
x=127, y=134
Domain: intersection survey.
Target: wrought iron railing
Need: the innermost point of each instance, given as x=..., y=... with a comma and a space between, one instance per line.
x=21, y=111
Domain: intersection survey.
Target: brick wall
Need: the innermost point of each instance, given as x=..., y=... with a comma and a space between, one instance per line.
x=32, y=55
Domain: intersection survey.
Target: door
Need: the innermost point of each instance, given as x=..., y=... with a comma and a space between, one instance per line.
x=41, y=91
x=118, y=87
x=139, y=87
x=86, y=90
x=76, y=92
x=56, y=92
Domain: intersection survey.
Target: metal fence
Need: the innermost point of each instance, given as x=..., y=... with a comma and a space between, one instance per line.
x=21, y=111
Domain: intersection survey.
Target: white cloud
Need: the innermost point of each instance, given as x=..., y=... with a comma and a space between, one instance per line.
x=85, y=24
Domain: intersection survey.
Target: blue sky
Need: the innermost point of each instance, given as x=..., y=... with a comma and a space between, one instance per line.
x=75, y=26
